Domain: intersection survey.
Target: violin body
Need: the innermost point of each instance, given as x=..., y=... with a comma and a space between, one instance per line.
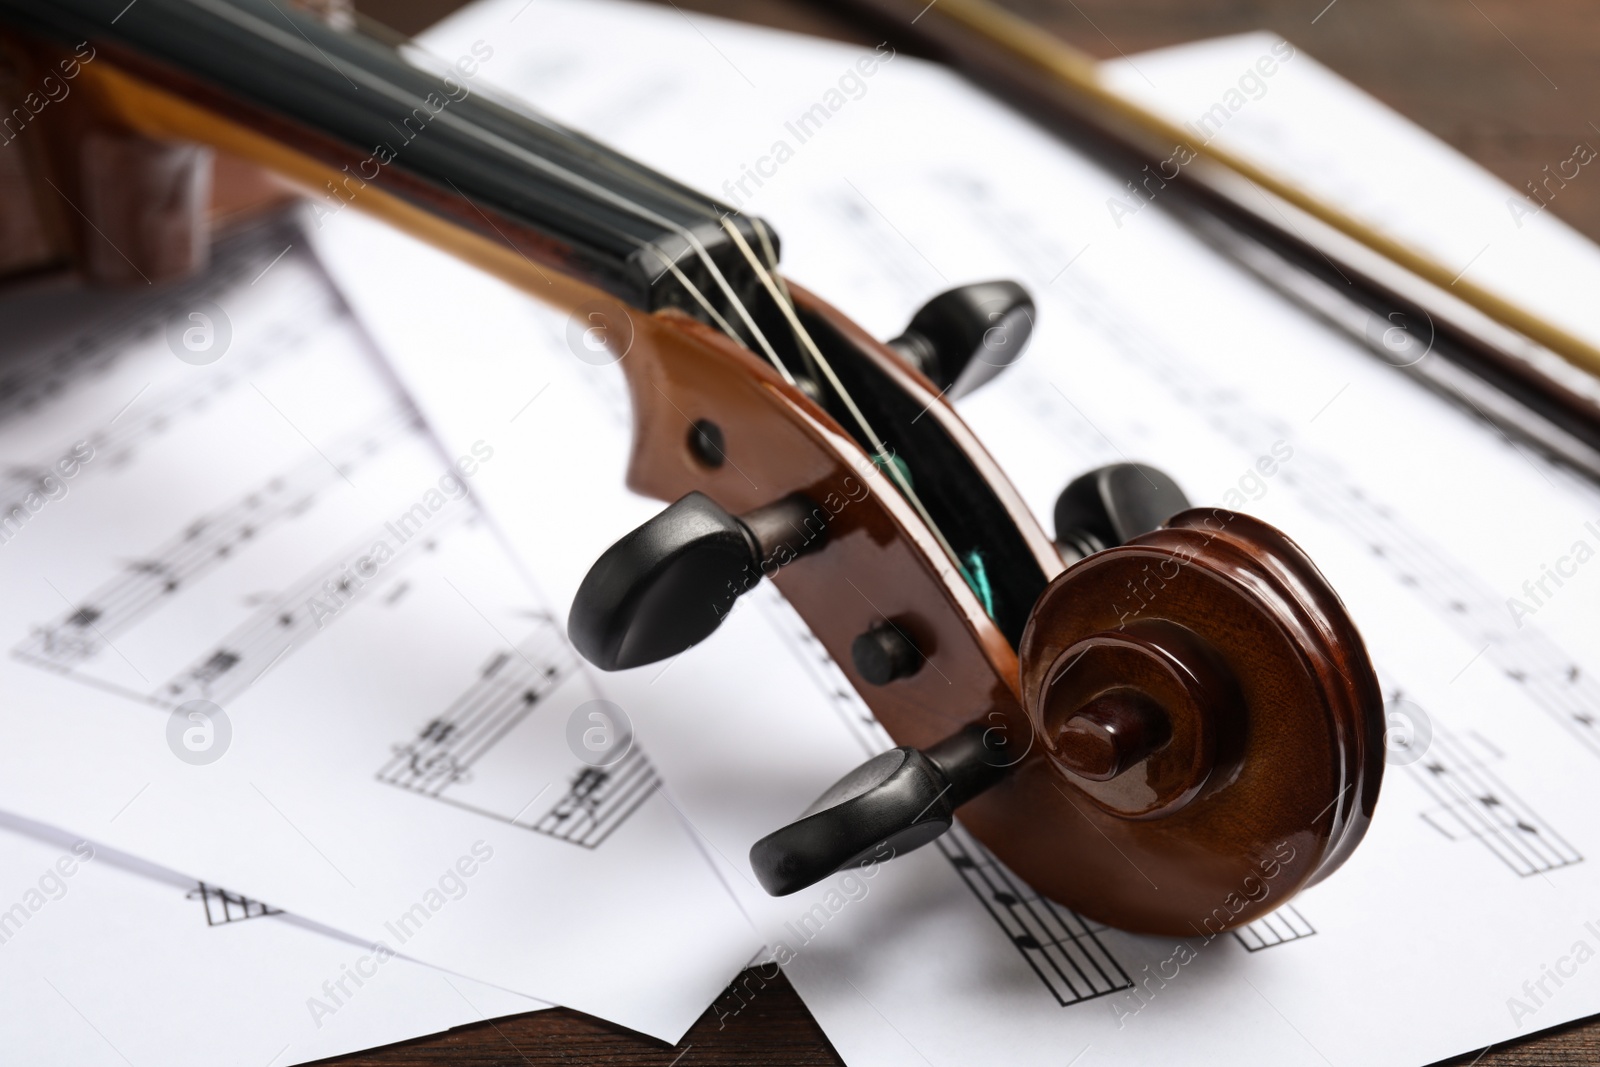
x=1168, y=728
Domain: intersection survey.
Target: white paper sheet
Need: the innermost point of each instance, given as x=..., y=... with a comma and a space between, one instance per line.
x=270, y=533
x=1276, y=106
x=107, y=961
x=1475, y=884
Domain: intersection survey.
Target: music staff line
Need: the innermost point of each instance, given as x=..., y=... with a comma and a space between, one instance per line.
x=291, y=619
x=285, y=621
x=113, y=443
x=202, y=546
x=597, y=802
x=223, y=907
x=1552, y=678
x=1063, y=949
x=445, y=750
x=1273, y=929
x=509, y=688
x=1474, y=805
x=235, y=259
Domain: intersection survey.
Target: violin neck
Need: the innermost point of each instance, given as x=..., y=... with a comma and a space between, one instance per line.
x=377, y=125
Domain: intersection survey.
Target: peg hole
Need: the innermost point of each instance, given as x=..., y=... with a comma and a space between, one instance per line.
x=706, y=444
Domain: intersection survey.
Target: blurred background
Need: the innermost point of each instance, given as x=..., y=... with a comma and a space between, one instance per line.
x=1512, y=84
x=1509, y=84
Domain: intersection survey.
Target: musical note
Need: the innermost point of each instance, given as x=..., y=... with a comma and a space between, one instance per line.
x=293, y=617
x=222, y=906
x=508, y=688
x=1474, y=805
x=1062, y=947
x=600, y=799
x=448, y=761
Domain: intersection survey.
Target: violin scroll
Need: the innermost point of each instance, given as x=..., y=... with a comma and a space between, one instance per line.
x=1203, y=719
x=1204, y=706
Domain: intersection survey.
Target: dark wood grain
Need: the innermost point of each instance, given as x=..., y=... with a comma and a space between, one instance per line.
x=1482, y=76
x=754, y=1022
x=1273, y=724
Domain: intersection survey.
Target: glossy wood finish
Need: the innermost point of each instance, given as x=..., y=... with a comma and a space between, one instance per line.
x=1273, y=711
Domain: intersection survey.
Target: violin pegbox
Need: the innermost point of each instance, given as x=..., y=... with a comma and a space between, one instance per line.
x=1156, y=697
x=668, y=584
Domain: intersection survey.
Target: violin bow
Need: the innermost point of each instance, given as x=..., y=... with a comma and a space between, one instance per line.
x=1281, y=232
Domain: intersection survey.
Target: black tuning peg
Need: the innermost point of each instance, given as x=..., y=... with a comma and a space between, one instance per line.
x=667, y=585
x=962, y=338
x=1112, y=505
x=901, y=799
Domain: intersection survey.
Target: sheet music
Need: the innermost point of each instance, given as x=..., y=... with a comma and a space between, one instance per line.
x=257, y=631
x=103, y=960
x=1149, y=347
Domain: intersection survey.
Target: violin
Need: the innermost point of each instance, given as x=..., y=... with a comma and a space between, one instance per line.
x=1148, y=716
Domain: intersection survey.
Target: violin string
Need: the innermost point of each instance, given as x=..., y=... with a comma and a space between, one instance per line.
x=706, y=305
x=881, y=452
x=694, y=291
x=736, y=303
x=769, y=255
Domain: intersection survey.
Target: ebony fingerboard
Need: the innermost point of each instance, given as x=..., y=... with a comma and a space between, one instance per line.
x=434, y=138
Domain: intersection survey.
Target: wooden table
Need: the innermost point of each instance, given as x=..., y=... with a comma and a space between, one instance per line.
x=1482, y=75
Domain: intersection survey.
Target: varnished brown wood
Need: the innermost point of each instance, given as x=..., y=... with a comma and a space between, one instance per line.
x=1275, y=719
x=1233, y=855
x=879, y=563
x=147, y=203
x=775, y=1030
x=1289, y=768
